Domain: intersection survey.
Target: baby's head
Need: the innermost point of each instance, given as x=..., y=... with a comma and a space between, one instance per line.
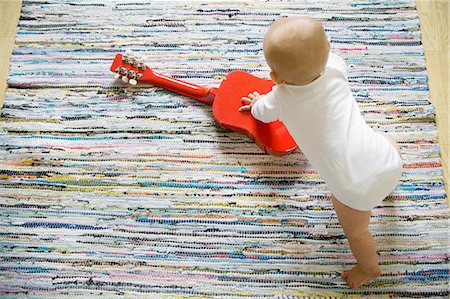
x=296, y=49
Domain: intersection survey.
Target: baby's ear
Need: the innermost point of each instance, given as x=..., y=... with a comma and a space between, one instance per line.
x=276, y=78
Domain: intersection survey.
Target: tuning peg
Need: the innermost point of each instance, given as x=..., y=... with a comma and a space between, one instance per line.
x=141, y=66
x=128, y=57
x=134, y=75
x=138, y=57
x=118, y=71
x=124, y=73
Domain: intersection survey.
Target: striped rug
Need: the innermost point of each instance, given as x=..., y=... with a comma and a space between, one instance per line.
x=111, y=191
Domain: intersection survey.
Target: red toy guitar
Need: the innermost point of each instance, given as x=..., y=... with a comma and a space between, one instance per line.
x=272, y=137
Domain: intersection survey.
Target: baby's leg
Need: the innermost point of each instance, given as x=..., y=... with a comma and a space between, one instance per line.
x=356, y=227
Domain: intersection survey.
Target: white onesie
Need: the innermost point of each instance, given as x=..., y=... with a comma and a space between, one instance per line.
x=360, y=166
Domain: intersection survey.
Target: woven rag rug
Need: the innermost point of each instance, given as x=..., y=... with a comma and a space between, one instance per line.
x=136, y=192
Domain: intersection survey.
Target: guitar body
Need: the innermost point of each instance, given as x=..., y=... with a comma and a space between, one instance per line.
x=272, y=137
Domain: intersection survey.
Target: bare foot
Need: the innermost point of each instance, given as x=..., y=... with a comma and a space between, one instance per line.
x=356, y=277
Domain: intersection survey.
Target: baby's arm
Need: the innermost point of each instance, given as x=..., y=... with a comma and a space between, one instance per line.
x=261, y=106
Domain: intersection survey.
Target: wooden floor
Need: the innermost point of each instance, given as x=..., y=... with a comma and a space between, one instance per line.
x=9, y=16
x=434, y=25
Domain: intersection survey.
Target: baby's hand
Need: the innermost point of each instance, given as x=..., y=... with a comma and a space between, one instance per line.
x=249, y=101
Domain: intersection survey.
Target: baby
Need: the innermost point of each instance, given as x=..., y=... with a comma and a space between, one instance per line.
x=313, y=99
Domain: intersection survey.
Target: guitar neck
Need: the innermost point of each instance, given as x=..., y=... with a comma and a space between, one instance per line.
x=194, y=91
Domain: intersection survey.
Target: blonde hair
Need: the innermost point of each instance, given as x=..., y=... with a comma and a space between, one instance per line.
x=296, y=49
